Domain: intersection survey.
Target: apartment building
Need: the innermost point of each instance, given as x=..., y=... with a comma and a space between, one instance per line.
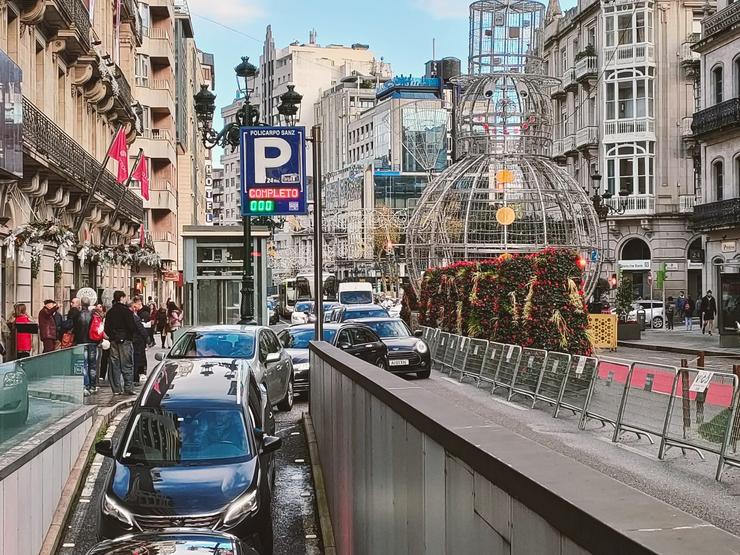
x=716, y=128
x=67, y=76
x=622, y=108
x=230, y=188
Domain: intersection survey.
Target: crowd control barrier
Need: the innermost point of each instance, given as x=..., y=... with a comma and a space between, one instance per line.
x=692, y=409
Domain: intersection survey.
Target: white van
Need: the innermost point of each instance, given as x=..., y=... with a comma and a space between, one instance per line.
x=355, y=293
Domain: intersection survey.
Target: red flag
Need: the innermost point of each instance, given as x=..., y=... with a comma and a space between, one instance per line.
x=141, y=174
x=142, y=236
x=119, y=152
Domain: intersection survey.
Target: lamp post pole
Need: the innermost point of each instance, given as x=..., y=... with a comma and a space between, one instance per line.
x=318, y=255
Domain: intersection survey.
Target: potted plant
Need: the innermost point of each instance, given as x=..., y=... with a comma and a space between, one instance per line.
x=625, y=299
x=586, y=52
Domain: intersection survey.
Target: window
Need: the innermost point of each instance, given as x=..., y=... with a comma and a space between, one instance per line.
x=717, y=84
x=736, y=77
x=591, y=34
x=630, y=167
x=629, y=94
x=362, y=335
x=718, y=176
x=625, y=26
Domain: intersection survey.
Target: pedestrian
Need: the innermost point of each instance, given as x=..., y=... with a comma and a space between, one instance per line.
x=162, y=326
x=680, y=301
x=709, y=311
x=670, y=314
x=140, y=339
x=152, y=319
x=23, y=340
x=68, y=335
x=698, y=312
x=688, y=313
x=97, y=334
x=145, y=316
x=82, y=321
x=120, y=329
x=174, y=320
x=48, y=332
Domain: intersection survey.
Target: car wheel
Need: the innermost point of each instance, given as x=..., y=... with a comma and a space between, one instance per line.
x=382, y=364
x=286, y=404
x=658, y=322
x=423, y=375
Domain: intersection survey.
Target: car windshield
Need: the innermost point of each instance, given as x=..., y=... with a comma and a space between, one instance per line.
x=355, y=297
x=366, y=313
x=300, y=338
x=390, y=329
x=213, y=345
x=328, y=306
x=190, y=544
x=303, y=306
x=186, y=435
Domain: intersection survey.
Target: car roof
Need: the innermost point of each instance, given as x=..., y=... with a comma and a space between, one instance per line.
x=362, y=306
x=205, y=381
x=327, y=325
x=376, y=320
x=227, y=328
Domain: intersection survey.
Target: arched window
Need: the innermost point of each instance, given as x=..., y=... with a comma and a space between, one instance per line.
x=718, y=178
x=736, y=77
x=635, y=249
x=736, y=192
x=717, y=84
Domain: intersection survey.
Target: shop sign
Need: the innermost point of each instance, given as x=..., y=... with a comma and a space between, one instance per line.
x=729, y=246
x=171, y=275
x=634, y=264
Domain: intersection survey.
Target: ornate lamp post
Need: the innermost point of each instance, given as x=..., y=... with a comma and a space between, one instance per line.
x=246, y=116
x=602, y=209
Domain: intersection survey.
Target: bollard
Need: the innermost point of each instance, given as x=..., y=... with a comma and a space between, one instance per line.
x=685, y=400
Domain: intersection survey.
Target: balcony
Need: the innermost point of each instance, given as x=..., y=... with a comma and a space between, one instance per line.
x=586, y=70
x=686, y=203
x=157, y=143
x=66, y=20
x=634, y=205
x=155, y=93
x=688, y=58
x=722, y=20
x=569, y=79
x=558, y=150
x=587, y=137
x=720, y=117
x=629, y=55
x=54, y=150
x=130, y=14
x=716, y=215
x=164, y=244
x=161, y=196
x=637, y=129
x=569, y=145
x=160, y=44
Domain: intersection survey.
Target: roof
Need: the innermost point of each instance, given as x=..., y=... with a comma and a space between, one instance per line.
x=362, y=306
x=226, y=328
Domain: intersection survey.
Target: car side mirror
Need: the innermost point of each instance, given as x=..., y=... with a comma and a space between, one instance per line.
x=158, y=356
x=271, y=444
x=419, y=333
x=104, y=447
x=344, y=346
x=272, y=357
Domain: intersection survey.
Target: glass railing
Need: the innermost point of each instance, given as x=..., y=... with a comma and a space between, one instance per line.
x=37, y=391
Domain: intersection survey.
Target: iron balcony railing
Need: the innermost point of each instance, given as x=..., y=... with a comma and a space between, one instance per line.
x=78, y=16
x=712, y=215
x=68, y=159
x=722, y=20
x=716, y=118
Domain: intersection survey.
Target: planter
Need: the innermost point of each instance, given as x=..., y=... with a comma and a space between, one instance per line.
x=628, y=331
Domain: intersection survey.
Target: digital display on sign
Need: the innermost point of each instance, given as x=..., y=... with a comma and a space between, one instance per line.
x=273, y=176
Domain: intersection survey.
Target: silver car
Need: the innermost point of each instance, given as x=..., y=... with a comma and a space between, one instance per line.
x=258, y=345
x=13, y=394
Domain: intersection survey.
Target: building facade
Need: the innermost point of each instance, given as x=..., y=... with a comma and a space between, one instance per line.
x=67, y=82
x=230, y=189
x=716, y=127
x=621, y=117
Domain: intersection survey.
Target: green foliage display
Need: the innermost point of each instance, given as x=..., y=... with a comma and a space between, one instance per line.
x=625, y=296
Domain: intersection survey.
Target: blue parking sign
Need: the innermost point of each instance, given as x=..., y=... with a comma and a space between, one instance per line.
x=273, y=171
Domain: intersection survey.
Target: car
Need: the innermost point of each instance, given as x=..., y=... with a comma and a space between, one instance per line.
x=653, y=312
x=354, y=338
x=327, y=307
x=357, y=311
x=272, y=312
x=355, y=292
x=176, y=540
x=13, y=394
x=258, y=345
x=407, y=352
x=303, y=313
x=197, y=452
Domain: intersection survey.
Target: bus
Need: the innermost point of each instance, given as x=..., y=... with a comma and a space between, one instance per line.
x=287, y=296
x=305, y=287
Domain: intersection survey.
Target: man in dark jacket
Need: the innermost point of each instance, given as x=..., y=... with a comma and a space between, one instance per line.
x=120, y=328
x=708, y=312
x=48, y=332
x=141, y=337
x=81, y=329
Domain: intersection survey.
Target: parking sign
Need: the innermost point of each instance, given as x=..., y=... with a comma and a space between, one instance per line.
x=273, y=171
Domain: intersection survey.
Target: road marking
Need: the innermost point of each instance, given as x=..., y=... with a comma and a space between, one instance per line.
x=311, y=536
x=68, y=545
x=509, y=404
x=456, y=382
x=295, y=433
x=634, y=450
x=300, y=460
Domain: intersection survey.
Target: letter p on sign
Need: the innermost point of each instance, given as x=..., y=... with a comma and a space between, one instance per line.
x=262, y=162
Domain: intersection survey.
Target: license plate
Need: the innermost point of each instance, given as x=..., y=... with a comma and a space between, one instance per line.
x=399, y=362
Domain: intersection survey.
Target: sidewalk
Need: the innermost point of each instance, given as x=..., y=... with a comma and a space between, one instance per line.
x=681, y=341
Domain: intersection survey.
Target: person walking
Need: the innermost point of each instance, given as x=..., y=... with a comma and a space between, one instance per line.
x=174, y=320
x=82, y=319
x=140, y=339
x=670, y=314
x=48, y=332
x=23, y=341
x=709, y=311
x=688, y=313
x=162, y=326
x=120, y=328
x=68, y=334
x=104, y=344
x=152, y=306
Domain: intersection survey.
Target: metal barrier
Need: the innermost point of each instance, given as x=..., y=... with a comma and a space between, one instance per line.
x=577, y=387
x=474, y=359
x=491, y=362
x=441, y=350
x=449, y=357
x=431, y=336
x=528, y=373
x=645, y=400
x=460, y=353
x=701, y=411
x=551, y=378
x=607, y=389
x=507, y=368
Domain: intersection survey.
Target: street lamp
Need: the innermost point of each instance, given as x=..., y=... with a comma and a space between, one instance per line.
x=247, y=115
x=602, y=209
x=290, y=104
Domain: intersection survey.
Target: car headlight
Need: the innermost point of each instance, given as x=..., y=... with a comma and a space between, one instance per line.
x=421, y=347
x=11, y=379
x=112, y=508
x=300, y=367
x=243, y=506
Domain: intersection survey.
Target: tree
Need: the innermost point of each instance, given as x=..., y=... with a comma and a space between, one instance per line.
x=625, y=296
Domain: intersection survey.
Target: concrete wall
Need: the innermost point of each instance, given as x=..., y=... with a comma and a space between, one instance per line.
x=32, y=478
x=408, y=472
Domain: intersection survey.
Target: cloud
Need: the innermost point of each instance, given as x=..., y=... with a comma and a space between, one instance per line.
x=445, y=9
x=228, y=11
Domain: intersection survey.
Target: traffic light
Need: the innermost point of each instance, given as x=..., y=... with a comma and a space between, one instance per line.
x=613, y=281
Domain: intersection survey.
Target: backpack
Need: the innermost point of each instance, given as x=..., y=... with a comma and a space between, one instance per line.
x=68, y=340
x=96, y=329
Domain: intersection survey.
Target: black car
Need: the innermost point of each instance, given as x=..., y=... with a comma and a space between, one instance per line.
x=407, y=352
x=176, y=541
x=357, y=339
x=197, y=452
x=358, y=311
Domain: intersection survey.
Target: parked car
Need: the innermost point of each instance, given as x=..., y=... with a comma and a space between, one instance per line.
x=177, y=541
x=256, y=344
x=197, y=452
x=357, y=311
x=303, y=313
x=272, y=312
x=653, y=318
x=13, y=394
x=407, y=352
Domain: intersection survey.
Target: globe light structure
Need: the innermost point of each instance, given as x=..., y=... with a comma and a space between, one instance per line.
x=503, y=194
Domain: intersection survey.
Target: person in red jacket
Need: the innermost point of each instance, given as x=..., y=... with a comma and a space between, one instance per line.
x=23, y=341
